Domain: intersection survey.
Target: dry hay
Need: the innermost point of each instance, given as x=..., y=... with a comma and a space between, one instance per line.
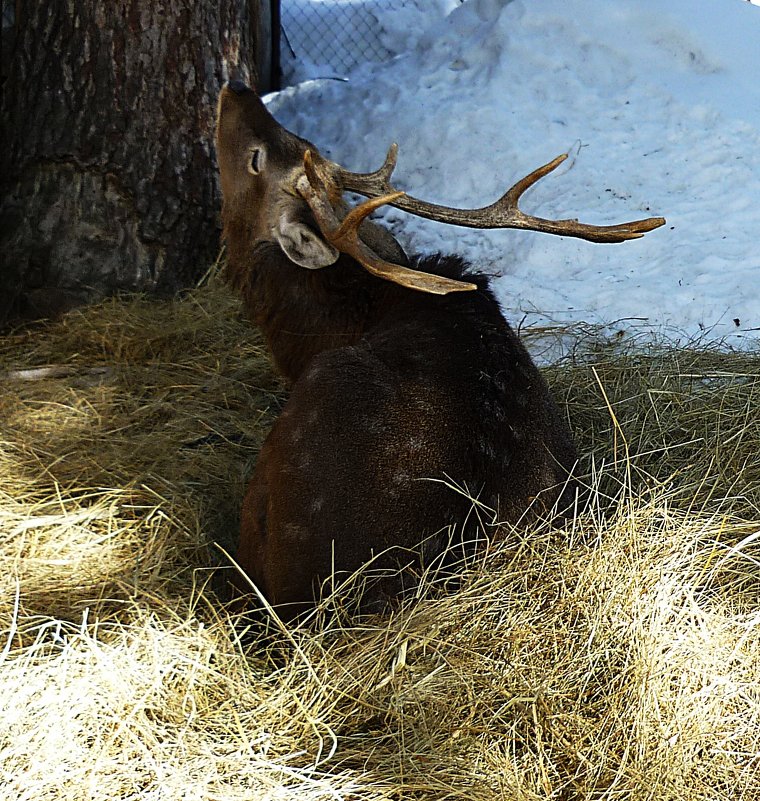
x=618, y=659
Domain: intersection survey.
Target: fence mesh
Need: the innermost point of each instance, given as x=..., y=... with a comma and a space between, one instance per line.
x=333, y=37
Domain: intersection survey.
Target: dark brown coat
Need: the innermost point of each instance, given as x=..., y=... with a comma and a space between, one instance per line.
x=404, y=406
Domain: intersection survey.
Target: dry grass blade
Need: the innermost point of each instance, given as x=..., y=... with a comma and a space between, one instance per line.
x=615, y=661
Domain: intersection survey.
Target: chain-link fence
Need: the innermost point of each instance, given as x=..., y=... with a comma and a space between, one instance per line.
x=329, y=38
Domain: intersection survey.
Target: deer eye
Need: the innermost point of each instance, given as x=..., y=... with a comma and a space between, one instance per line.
x=255, y=162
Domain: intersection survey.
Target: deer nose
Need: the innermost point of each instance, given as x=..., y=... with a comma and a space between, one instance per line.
x=238, y=87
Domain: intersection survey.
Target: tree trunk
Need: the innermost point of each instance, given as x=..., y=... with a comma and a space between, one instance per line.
x=108, y=170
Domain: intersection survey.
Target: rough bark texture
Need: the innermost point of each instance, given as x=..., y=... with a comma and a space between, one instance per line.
x=108, y=174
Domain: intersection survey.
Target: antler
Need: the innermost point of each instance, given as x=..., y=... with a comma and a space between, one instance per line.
x=345, y=235
x=503, y=213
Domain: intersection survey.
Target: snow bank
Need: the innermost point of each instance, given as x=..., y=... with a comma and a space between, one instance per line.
x=659, y=104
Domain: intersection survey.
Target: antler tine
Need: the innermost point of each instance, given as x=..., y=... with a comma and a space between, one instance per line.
x=505, y=208
x=369, y=183
x=514, y=193
x=503, y=213
x=345, y=235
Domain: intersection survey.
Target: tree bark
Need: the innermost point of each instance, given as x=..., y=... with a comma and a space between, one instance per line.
x=108, y=178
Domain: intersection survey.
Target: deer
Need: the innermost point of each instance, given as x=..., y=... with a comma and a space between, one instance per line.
x=413, y=405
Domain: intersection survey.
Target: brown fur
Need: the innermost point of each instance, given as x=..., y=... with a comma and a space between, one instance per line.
x=396, y=395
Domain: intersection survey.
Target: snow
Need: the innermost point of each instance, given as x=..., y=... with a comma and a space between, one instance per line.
x=658, y=103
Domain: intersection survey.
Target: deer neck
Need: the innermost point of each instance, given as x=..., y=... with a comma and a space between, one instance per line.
x=304, y=312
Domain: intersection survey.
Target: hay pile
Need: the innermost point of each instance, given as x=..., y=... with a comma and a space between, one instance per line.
x=616, y=660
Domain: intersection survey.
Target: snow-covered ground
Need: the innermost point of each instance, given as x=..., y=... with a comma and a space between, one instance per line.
x=658, y=102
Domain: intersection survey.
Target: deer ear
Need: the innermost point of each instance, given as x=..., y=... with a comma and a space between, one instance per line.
x=303, y=246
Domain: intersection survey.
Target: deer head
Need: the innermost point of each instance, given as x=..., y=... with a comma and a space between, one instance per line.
x=289, y=188
x=264, y=168
x=260, y=163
